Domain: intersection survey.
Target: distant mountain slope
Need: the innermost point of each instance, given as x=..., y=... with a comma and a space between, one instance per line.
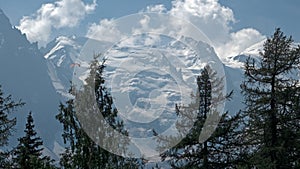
x=23, y=73
x=64, y=51
x=61, y=55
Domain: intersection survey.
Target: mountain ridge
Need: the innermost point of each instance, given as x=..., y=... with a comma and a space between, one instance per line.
x=23, y=74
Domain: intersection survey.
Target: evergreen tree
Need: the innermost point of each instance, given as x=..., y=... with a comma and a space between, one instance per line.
x=272, y=99
x=7, y=105
x=220, y=150
x=28, y=153
x=82, y=152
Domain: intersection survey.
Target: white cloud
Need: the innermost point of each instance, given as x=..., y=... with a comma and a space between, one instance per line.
x=156, y=8
x=215, y=21
x=62, y=13
x=146, y=24
x=110, y=31
x=105, y=31
x=209, y=16
x=239, y=41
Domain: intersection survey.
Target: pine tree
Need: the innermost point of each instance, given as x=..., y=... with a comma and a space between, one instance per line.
x=7, y=105
x=28, y=153
x=271, y=98
x=220, y=150
x=82, y=152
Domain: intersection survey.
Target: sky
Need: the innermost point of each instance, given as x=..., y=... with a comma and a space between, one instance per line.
x=232, y=25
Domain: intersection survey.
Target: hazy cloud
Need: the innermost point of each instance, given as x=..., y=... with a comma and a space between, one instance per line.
x=62, y=13
x=156, y=8
x=215, y=21
x=105, y=31
x=239, y=41
x=209, y=16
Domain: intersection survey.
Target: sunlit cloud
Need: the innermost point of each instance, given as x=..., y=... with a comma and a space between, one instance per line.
x=62, y=13
x=104, y=31
x=239, y=41
x=155, y=8
x=215, y=21
x=209, y=16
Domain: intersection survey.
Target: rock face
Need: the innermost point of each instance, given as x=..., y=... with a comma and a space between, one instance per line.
x=61, y=55
x=24, y=74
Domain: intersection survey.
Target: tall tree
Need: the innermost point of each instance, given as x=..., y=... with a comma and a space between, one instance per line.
x=270, y=90
x=28, y=153
x=7, y=105
x=82, y=152
x=218, y=150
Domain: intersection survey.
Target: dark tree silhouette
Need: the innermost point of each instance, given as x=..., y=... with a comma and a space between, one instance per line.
x=28, y=153
x=219, y=148
x=271, y=97
x=82, y=152
x=7, y=105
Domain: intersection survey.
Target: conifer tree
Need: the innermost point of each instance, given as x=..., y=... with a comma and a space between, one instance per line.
x=271, y=98
x=28, y=153
x=220, y=150
x=82, y=152
x=7, y=105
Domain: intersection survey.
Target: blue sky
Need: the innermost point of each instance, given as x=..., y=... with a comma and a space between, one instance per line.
x=236, y=19
x=265, y=15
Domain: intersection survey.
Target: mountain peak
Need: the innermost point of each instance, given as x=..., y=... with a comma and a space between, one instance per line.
x=4, y=21
x=11, y=36
x=24, y=74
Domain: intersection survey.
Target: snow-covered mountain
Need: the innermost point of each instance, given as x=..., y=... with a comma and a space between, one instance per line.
x=145, y=75
x=41, y=77
x=154, y=77
x=235, y=74
x=63, y=53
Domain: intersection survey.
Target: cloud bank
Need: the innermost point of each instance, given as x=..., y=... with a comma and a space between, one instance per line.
x=213, y=19
x=60, y=14
x=106, y=30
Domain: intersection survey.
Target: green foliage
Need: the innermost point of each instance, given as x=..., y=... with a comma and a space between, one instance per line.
x=272, y=98
x=28, y=153
x=7, y=105
x=82, y=152
x=218, y=147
